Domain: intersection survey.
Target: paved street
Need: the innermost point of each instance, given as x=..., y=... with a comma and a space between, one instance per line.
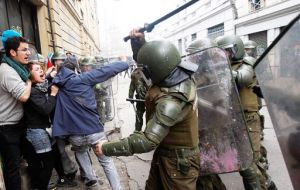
x=134, y=169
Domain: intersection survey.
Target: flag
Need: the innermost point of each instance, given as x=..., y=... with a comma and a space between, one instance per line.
x=49, y=64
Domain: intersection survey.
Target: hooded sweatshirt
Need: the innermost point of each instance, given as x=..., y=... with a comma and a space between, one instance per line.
x=76, y=108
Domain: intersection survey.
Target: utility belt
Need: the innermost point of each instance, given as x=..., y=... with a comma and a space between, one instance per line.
x=181, y=155
x=178, y=152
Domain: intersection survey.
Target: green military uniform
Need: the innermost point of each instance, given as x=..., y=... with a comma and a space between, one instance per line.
x=100, y=93
x=86, y=64
x=104, y=94
x=243, y=73
x=139, y=87
x=251, y=52
x=171, y=121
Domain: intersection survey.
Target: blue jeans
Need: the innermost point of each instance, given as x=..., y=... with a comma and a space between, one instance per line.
x=81, y=144
x=40, y=140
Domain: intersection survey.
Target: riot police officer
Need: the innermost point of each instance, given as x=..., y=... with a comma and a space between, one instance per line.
x=242, y=70
x=171, y=119
x=250, y=48
x=251, y=51
x=87, y=64
x=58, y=57
x=139, y=87
x=106, y=90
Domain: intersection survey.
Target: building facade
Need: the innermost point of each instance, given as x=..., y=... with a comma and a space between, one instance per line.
x=69, y=25
x=258, y=20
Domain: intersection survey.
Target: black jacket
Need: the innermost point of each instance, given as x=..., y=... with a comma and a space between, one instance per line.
x=38, y=109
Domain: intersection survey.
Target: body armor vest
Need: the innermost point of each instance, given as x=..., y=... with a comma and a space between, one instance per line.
x=248, y=97
x=185, y=132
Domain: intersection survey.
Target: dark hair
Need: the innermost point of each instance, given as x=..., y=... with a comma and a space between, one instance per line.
x=29, y=66
x=2, y=52
x=13, y=44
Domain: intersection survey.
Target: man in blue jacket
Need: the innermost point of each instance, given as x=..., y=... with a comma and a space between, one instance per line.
x=76, y=116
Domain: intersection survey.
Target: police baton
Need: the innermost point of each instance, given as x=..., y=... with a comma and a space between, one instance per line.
x=134, y=108
x=149, y=27
x=134, y=100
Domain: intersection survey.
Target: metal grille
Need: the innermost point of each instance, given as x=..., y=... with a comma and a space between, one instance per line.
x=215, y=31
x=256, y=5
x=262, y=41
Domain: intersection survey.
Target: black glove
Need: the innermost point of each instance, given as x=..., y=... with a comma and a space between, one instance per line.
x=136, y=45
x=257, y=90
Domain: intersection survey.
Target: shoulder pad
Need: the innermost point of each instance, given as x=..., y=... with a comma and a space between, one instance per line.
x=249, y=60
x=168, y=110
x=185, y=90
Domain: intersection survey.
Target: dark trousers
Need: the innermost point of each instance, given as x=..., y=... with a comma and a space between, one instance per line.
x=58, y=166
x=40, y=167
x=10, y=142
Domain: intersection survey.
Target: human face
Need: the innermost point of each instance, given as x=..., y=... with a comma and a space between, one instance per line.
x=22, y=54
x=86, y=68
x=37, y=74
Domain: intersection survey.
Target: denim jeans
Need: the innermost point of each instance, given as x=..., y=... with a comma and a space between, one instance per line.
x=10, y=143
x=81, y=144
x=40, y=140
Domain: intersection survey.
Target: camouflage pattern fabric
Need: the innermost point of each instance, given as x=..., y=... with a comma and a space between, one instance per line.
x=138, y=86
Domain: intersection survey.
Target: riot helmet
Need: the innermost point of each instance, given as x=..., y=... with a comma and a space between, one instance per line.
x=58, y=56
x=201, y=44
x=99, y=61
x=38, y=59
x=250, y=48
x=233, y=45
x=87, y=63
x=99, y=58
x=159, y=59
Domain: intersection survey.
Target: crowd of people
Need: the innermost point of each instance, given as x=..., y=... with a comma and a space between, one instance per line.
x=63, y=98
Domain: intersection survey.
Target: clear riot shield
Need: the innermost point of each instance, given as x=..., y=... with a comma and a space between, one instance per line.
x=33, y=57
x=224, y=140
x=278, y=73
x=108, y=100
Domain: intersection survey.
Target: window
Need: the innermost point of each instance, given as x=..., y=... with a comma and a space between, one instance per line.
x=185, y=42
x=261, y=39
x=255, y=4
x=194, y=36
x=215, y=31
x=180, y=45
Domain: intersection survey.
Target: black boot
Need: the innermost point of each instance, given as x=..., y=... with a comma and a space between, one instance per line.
x=272, y=186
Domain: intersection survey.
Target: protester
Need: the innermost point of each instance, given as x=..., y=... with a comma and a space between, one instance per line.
x=37, y=118
x=76, y=115
x=15, y=89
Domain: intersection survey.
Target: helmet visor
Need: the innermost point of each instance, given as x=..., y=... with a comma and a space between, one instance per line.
x=231, y=51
